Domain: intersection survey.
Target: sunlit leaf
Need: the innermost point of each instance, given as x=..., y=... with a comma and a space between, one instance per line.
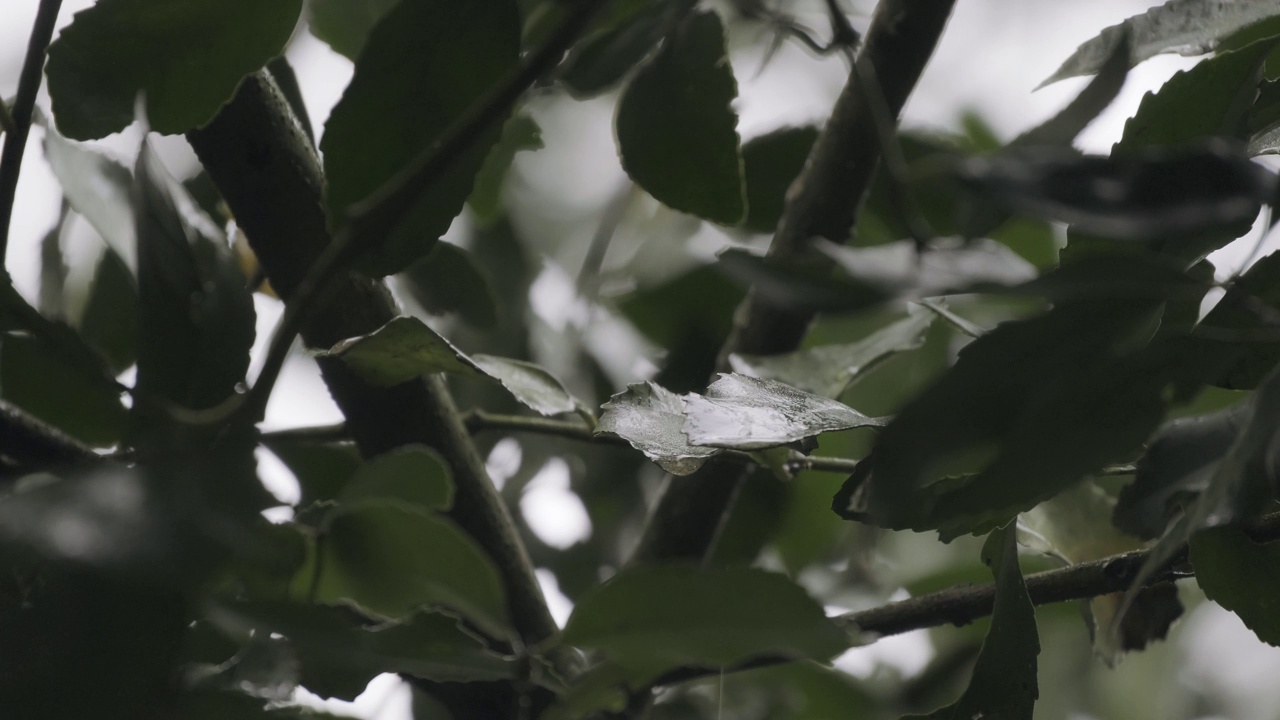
x=677, y=132
x=653, y=618
x=652, y=418
x=1187, y=27
x=184, y=57
x=747, y=413
x=425, y=65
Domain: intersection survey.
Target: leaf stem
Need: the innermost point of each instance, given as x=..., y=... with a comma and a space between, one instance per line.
x=15, y=139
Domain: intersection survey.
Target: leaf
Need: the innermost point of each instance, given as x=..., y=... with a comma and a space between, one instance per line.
x=110, y=320
x=340, y=653
x=770, y=163
x=652, y=419
x=1062, y=129
x=412, y=473
x=196, y=323
x=1142, y=195
x=827, y=370
x=534, y=387
x=393, y=558
x=676, y=128
x=746, y=413
x=518, y=134
x=322, y=469
x=1241, y=575
x=98, y=188
x=1237, y=325
x=1187, y=27
x=449, y=280
x=39, y=379
x=625, y=34
x=1211, y=99
x=185, y=57
x=345, y=24
x=1004, y=677
x=425, y=65
x=649, y=619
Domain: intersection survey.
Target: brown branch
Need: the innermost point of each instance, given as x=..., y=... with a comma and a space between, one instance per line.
x=823, y=201
x=15, y=140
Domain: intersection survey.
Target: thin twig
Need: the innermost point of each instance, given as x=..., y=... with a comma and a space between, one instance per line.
x=374, y=218
x=15, y=139
x=610, y=219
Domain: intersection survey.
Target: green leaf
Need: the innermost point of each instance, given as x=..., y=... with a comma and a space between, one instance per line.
x=340, y=653
x=746, y=413
x=533, y=386
x=519, y=133
x=1235, y=325
x=345, y=24
x=425, y=65
x=322, y=469
x=649, y=619
x=393, y=558
x=39, y=379
x=449, y=280
x=1187, y=27
x=110, y=320
x=185, y=57
x=770, y=163
x=98, y=188
x=676, y=129
x=624, y=35
x=827, y=370
x=1004, y=677
x=1211, y=99
x=651, y=418
x=1241, y=575
x=412, y=473
x=196, y=320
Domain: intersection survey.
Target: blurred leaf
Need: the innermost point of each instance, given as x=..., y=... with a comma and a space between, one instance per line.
x=412, y=473
x=449, y=280
x=519, y=133
x=265, y=668
x=1211, y=99
x=770, y=163
x=603, y=688
x=222, y=705
x=808, y=691
x=676, y=128
x=1004, y=677
x=322, y=469
x=405, y=348
x=827, y=370
x=652, y=419
x=53, y=272
x=746, y=413
x=185, y=57
x=1187, y=27
x=426, y=64
x=110, y=320
x=623, y=36
x=345, y=24
x=650, y=619
x=196, y=319
x=98, y=188
x=1241, y=575
x=41, y=380
x=1062, y=129
x=393, y=558
x=340, y=653
x=1178, y=465
x=1145, y=194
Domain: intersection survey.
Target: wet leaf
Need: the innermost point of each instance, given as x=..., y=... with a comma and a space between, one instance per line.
x=534, y=387
x=652, y=419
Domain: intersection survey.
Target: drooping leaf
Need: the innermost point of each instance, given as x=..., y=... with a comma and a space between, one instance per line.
x=339, y=653
x=746, y=413
x=518, y=134
x=425, y=65
x=1241, y=575
x=677, y=132
x=345, y=24
x=392, y=558
x=411, y=473
x=1142, y=195
x=533, y=386
x=185, y=57
x=649, y=619
x=652, y=419
x=1004, y=677
x=196, y=323
x=827, y=370
x=42, y=381
x=98, y=188
x=448, y=280
x=1187, y=27
x=770, y=163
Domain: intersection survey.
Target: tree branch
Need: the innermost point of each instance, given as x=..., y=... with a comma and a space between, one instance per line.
x=15, y=140
x=823, y=201
x=28, y=444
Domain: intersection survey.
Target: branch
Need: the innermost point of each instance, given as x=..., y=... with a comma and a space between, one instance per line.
x=823, y=201
x=28, y=443
x=15, y=140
